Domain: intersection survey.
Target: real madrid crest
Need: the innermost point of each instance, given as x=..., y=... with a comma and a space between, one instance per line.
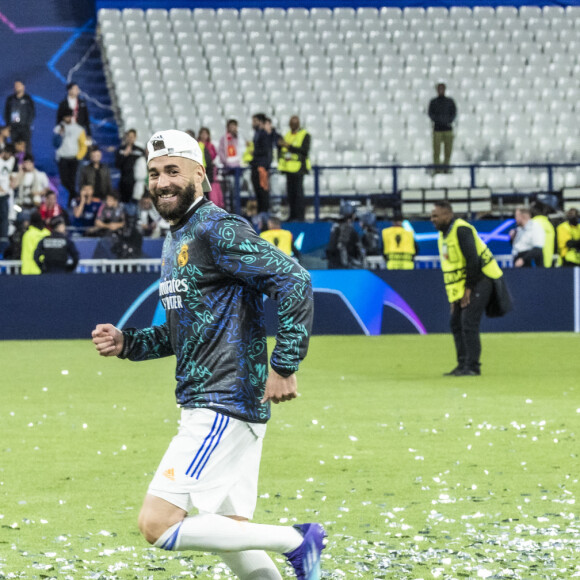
x=183, y=256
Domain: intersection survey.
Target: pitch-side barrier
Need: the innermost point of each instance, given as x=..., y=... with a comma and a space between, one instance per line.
x=91, y=266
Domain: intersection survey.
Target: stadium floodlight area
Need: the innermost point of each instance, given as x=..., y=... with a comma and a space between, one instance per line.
x=361, y=81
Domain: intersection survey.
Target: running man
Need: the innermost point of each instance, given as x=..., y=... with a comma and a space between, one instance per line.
x=214, y=272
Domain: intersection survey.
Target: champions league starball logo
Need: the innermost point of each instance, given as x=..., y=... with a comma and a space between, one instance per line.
x=363, y=294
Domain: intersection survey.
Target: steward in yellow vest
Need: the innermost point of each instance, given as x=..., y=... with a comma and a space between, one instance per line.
x=550, y=243
x=280, y=238
x=248, y=154
x=469, y=269
x=36, y=231
x=399, y=247
x=569, y=239
x=293, y=160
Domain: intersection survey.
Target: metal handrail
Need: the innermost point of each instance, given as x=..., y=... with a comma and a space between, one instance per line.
x=549, y=167
x=430, y=262
x=91, y=266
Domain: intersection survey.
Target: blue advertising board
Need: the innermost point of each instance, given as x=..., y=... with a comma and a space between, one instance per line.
x=346, y=302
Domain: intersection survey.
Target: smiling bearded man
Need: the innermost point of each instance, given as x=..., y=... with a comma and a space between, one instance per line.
x=214, y=273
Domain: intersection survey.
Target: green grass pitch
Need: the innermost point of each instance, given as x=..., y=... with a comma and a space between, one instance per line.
x=414, y=475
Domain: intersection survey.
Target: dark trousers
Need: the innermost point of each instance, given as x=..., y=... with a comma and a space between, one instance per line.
x=67, y=170
x=465, y=325
x=19, y=132
x=262, y=195
x=126, y=187
x=4, y=209
x=295, y=192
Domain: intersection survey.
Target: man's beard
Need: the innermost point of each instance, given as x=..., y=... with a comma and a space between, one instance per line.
x=185, y=197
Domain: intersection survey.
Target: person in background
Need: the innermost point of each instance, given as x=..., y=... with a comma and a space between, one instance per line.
x=19, y=114
x=344, y=249
x=274, y=137
x=50, y=209
x=150, y=223
x=293, y=160
x=528, y=240
x=14, y=249
x=261, y=157
x=97, y=174
x=204, y=136
x=79, y=108
x=469, y=269
x=70, y=141
x=20, y=151
x=7, y=184
x=56, y=254
x=211, y=155
x=399, y=246
x=230, y=150
x=128, y=159
x=539, y=216
x=85, y=209
x=282, y=239
x=442, y=112
x=370, y=239
x=111, y=216
x=32, y=236
x=4, y=136
x=568, y=234
x=31, y=184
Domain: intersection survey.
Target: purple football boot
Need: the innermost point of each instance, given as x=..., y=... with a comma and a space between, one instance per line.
x=305, y=559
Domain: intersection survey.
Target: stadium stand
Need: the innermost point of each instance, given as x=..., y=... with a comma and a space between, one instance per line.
x=361, y=81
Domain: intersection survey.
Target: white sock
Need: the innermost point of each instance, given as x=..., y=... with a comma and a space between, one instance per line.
x=213, y=533
x=251, y=565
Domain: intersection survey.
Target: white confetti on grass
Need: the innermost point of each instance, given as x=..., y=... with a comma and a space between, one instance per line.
x=64, y=372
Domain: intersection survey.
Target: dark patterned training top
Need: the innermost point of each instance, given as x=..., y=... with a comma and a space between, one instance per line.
x=214, y=273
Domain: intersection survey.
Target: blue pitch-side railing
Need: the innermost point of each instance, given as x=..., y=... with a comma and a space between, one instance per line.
x=394, y=192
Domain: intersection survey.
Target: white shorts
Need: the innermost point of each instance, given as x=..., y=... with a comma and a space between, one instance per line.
x=212, y=464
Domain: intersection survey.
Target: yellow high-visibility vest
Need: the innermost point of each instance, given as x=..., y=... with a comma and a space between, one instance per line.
x=290, y=162
x=548, y=249
x=248, y=154
x=30, y=239
x=282, y=239
x=202, y=147
x=453, y=261
x=399, y=248
x=567, y=232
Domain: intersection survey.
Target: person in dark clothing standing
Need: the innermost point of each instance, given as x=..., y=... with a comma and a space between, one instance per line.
x=97, y=174
x=442, y=112
x=78, y=106
x=53, y=252
x=469, y=269
x=260, y=162
x=127, y=156
x=19, y=114
x=344, y=249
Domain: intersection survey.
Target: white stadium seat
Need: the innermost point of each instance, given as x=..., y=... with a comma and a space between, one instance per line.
x=364, y=77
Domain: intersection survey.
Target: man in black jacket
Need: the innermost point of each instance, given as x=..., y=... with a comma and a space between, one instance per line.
x=97, y=174
x=260, y=163
x=77, y=105
x=127, y=156
x=19, y=113
x=442, y=112
x=56, y=249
